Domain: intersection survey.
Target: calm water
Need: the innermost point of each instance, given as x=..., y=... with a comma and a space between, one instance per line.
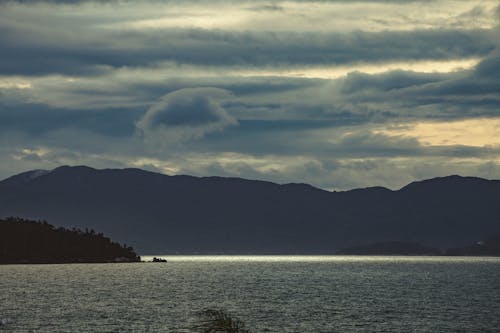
x=269, y=294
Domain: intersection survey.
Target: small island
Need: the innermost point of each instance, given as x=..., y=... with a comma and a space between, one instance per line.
x=159, y=260
x=38, y=242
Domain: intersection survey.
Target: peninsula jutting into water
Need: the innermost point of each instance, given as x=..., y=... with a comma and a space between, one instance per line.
x=23, y=241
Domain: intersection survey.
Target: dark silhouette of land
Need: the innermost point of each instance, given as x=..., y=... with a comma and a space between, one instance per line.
x=159, y=260
x=23, y=241
x=391, y=248
x=184, y=214
x=488, y=247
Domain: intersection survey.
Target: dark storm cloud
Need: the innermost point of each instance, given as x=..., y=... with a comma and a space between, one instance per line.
x=185, y=114
x=463, y=94
x=38, y=119
x=191, y=107
x=267, y=7
x=398, y=79
x=291, y=104
x=29, y=51
x=239, y=86
x=489, y=67
x=327, y=139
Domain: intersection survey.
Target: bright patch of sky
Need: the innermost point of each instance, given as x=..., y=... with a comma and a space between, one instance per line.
x=470, y=132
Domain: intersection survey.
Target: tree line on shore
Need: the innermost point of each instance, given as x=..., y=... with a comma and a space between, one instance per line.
x=25, y=241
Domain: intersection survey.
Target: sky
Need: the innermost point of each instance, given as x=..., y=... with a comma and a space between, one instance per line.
x=337, y=94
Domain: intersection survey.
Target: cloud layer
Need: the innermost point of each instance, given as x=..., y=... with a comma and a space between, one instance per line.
x=339, y=94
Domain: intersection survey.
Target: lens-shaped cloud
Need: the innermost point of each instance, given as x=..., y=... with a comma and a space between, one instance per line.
x=185, y=114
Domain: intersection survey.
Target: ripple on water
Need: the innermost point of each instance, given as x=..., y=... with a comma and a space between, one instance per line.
x=268, y=293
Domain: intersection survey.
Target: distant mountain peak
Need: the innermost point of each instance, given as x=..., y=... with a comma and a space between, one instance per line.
x=26, y=177
x=379, y=189
x=452, y=179
x=37, y=173
x=65, y=168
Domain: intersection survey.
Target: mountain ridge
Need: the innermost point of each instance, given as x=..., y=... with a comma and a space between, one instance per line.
x=158, y=213
x=32, y=174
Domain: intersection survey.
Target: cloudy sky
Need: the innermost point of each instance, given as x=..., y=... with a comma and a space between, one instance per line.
x=338, y=94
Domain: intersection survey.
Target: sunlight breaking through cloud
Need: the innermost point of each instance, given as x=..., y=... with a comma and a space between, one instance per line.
x=470, y=132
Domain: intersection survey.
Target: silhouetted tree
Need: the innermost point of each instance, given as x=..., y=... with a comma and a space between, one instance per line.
x=218, y=321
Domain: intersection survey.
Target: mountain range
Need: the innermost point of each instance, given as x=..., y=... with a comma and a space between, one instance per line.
x=161, y=214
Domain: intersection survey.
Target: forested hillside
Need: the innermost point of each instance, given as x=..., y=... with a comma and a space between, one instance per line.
x=24, y=241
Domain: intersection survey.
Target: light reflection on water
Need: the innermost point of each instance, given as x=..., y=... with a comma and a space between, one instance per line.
x=315, y=258
x=268, y=293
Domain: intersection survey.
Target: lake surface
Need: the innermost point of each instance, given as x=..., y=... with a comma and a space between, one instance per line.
x=269, y=294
